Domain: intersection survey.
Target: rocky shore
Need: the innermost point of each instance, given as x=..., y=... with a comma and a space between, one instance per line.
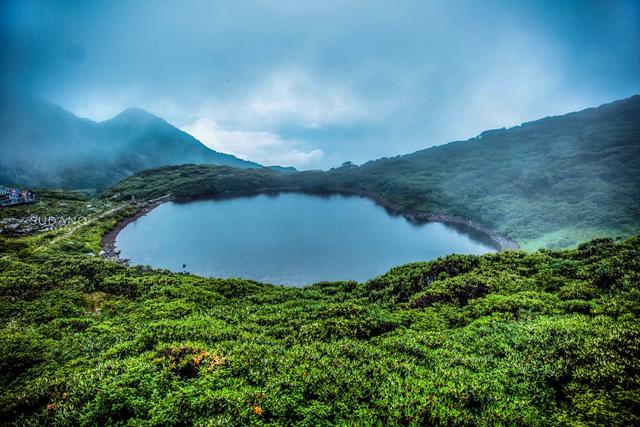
x=109, y=249
x=500, y=242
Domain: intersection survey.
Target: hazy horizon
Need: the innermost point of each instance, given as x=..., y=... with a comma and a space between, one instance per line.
x=315, y=85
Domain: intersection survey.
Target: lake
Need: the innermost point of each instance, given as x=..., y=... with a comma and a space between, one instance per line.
x=292, y=239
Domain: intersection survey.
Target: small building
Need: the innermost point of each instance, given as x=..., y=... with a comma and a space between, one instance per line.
x=10, y=196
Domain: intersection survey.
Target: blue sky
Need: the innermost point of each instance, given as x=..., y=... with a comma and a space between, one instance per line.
x=313, y=84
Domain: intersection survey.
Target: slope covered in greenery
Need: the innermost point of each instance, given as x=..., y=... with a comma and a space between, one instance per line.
x=553, y=182
x=556, y=180
x=550, y=337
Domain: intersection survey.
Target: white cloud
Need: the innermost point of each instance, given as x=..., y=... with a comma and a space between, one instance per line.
x=246, y=125
x=291, y=96
x=510, y=90
x=264, y=147
x=288, y=96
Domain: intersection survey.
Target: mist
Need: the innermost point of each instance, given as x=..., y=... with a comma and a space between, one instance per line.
x=314, y=85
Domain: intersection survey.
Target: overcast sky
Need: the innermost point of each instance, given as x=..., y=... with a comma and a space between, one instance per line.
x=315, y=83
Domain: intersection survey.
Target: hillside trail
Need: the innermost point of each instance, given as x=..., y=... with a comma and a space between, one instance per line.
x=71, y=230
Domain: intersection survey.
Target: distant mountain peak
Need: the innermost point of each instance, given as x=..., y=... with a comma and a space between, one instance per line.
x=136, y=114
x=59, y=149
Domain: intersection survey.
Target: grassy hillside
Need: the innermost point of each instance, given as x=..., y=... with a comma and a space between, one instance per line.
x=555, y=180
x=550, y=183
x=518, y=338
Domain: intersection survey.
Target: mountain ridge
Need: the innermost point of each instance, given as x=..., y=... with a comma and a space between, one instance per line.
x=45, y=145
x=581, y=114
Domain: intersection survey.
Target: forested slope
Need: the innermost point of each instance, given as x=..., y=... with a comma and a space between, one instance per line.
x=555, y=180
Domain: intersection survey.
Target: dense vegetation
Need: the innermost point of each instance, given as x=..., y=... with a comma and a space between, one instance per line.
x=550, y=183
x=57, y=202
x=512, y=338
x=55, y=208
x=550, y=337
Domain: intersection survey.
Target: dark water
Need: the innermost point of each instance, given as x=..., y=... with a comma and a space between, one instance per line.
x=289, y=238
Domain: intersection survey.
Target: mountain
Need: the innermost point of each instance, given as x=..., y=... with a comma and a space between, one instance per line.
x=284, y=169
x=44, y=145
x=548, y=183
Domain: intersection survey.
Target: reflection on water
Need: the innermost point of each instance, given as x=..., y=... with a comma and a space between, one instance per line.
x=289, y=238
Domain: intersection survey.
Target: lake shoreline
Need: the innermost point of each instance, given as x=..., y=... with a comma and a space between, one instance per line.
x=500, y=243
x=109, y=248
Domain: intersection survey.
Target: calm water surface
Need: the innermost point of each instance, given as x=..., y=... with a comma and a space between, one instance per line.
x=289, y=238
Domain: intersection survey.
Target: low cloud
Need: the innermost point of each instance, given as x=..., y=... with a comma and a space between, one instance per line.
x=294, y=97
x=249, y=122
x=264, y=147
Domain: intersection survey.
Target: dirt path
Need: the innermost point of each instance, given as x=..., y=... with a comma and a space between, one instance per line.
x=69, y=231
